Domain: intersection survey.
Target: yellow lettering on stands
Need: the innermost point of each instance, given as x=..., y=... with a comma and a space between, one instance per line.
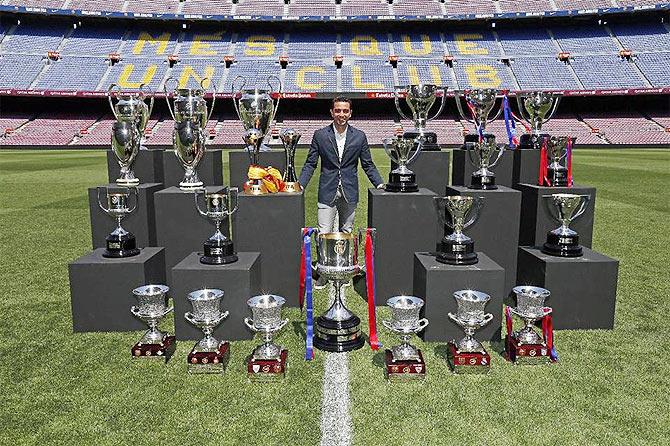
x=260, y=46
x=465, y=45
x=425, y=49
x=124, y=77
x=365, y=46
x=357, y=79
x=301, y=78
x=482, y=76
x=189, y=72
x=200, y=48
x=144, y=38
x=413, y=74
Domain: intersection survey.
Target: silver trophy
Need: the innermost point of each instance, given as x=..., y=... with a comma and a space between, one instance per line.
x=405, y=321
x=563, y=241
x=218, y=249
x=132, y=115
x=529, y=307
x=536, y=108
x=266, y=312
x=480, y=154
x=557, y=152
x=420, y=99
x=480, y=103
x=289, y=138
x=209, y=354
x=470, y=316
x=457, y=248
x=190, y=120
x=403, y=151
x=120, y=243
x=151, y=308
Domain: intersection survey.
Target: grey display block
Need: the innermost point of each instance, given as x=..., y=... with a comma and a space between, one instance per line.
x=436, y=283
x=210, y=168
x=238, y=164
x=431, y=169
x=101, y=289
x=463, y=168
x=141, y=222
x=405, y=223
x=148, y=166
x=526, y=166
x=239, y=281
x=180, y=229
x=496, y=231
x=583, y=289
x=271, y=224
x=536, y=220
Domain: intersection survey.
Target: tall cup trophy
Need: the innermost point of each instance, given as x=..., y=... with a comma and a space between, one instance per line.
x=151, y=308
x=209, y=355
x=403, y=150
x=558, y=153
x=218, y=249
x=120, y=243
x=420, y=99
x=468, y=355
x=526, y=346
x=479, y=154
x=536, y=108
x=404, y=361
x=190, y=120
x=480, y=103
x=290, y=138
x=457, y=248
x=132, y=115
x=563, y=241
x=268, y=360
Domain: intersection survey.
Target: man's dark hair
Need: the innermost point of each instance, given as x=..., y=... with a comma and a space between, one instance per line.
x=340, y=99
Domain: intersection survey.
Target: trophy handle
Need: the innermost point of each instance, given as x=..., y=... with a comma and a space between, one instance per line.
x=459, y=106
x=397, y=102
x=104, y=209
x=386, y=142
x=500, y=153
x=282, y=324
x=522, y=110
x=109, y=98
x=151, y=98
x=250, y=324
x=236, y=92
x=500, y=109
x=419, y=145
x=444, y=100
x=278, y=91
x=223, y=315
x=137, y=198
x=167, y=95
x=233, y=194
x=196, y=193
x=453, y=317
x=423, y=323
x=474, y=212
x=487, y=318
x=582, y=208
x=189, y=317
x=135, y=312
x=553, y=109
x=202, y=85
x=387, y=324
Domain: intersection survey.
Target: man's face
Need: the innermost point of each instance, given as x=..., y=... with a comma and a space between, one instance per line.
x=341, y=112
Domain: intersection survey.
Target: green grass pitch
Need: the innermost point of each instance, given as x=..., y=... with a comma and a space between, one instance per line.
x=56, y=387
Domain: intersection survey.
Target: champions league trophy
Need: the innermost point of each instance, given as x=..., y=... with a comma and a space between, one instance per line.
x=536, y=108
x=268, y=361
x=404, y=360
x=457, y=248
x=290, y=138
x=480, y=102
x=188, y=137
x=151, y=308
x=208, y=355
x=483, y=178
x=403, y=151
x=526, y=346
x=563, y=241
x=468, y=355
x=420, y=99
x=220, y=206
x=120, y=243
x=132, y=115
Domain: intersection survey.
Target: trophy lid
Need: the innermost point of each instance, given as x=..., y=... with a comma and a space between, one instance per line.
x=266, y=301
x=205, y=295
x=405, y=302
x=151, y=290
x=471, y=296
x=531, y=291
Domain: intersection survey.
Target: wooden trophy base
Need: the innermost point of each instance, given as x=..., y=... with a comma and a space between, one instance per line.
x=209, y=362
x=468, y=362
x=527, y=354
x=403, y=370
x=162, y=351
x=267, y=369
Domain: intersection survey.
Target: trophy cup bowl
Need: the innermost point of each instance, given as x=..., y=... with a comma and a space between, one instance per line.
x=219, y=248
x=457, y=248
x=403, y=151
x=405, y=360
x=208, y=355
x=255, y=107
x=529, y=307
x=268, y=360
x=120, y=243
x=557, y=151
x=420, y=99
x=536, y=108
x=563, y=241
x=480, y=103
x=289, y=138
x=151, y=308
x=468, y=355
x=479, y=154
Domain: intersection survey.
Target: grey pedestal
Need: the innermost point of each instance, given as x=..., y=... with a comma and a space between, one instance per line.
x=436, y=283
x=101, y=289
x=141, y=222
x=536, y=220
x=148, y=166
x=462, y=168
x=271, y=224
x=496, y=231
x=180, y=229
x=526, y=166
x=405, y=224
x=210, y=168
x=583, y=289
x=431, y=169
x=239, y=281
x=238, y=164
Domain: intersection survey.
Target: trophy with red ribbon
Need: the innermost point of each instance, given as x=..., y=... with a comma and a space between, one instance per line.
x=151, y=308
x=556, y=161
x=468, y=355
x=209, y=355
x=404, y=361
x=480, y=103
x=526, y=346
x=268, y=360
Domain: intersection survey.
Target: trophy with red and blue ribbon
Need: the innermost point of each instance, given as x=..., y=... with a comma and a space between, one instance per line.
x=556, y=161
x=479, y=103
x=536, y=108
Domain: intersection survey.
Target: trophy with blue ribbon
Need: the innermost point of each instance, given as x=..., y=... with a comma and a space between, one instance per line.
x=479, y=103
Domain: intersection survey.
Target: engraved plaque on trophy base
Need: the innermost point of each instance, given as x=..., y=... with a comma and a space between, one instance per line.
x=218, y=252
x=467, y=362
x=463, y=169
x=558, y=177
x=430, y=139
x=119, y=246
x=562, y=245
x=338, y=336
x=402, y=182
x=403, y=370
x=267, y=369
x=162, y=351
x=209, y=362
x=482, y=182
x=527, y=354
x=528, y=141
x=457, y=253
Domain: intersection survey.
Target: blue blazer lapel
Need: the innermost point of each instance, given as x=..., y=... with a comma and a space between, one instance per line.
x=348, y=140
x=333, y=144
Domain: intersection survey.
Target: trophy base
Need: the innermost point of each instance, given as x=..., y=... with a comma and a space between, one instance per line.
x=562, y=245
x=457, y=253
x=338, y=336
x=429, y=142
x=255, y=187
x=119, y=247
x=218, y=254
x=468, y=362
x=209, y=362
x=403, y=370
x=558, y=176
x=292, y=187
x=528, y=141
x=128, y=182
x=401, y=182
x=483, y=182
x=190, y=186
x=162, y=351
x=527, y=354
x=267, y=369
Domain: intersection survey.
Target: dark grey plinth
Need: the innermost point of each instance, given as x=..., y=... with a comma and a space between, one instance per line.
x=431, y=169
x=180, y=229
x=141, y=223
x=239, y=281
x=436, y=283
x=463, y=168
x=536, y=220
x=405, y=223
x=210, y=169
x=526, y=166
x=496, y=231
x=101, y=289
x=148, y=166
x=238, y=164
x=271, y=224
x=583, y=289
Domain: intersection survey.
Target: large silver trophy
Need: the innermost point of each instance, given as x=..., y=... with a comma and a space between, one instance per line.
x=219, y=206
x=420, y=99
x=289, y=137
x=565, y=208
x=120, y=243
x=526, y=345
x=480, y=154
x=268, y=360
x=536, y=108
x=405, y=360
x=132, y=116
x=151, y=308
x=190, y=116
x=470, y=316
x=480, y=103
x=457, y=248
x=403, y=150
x=209, y=355
x=557, y=154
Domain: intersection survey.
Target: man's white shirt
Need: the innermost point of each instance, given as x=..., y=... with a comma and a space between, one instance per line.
x=340, y=139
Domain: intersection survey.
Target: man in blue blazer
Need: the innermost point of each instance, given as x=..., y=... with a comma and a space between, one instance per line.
x=340, y=147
